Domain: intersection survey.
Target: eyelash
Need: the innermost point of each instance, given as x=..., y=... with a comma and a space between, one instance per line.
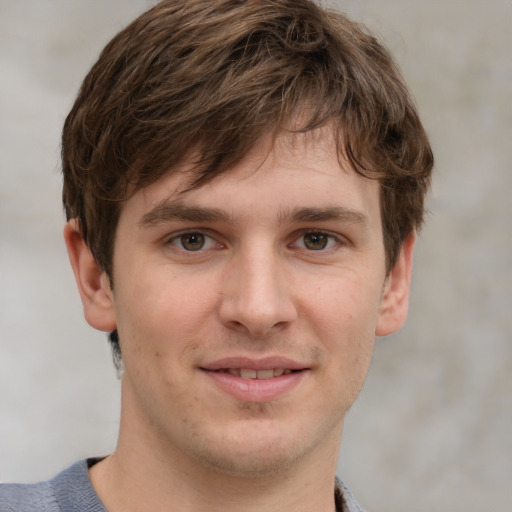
x=179, y=238
x=330, y=239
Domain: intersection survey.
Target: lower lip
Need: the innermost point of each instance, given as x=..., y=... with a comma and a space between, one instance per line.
x=256, y=390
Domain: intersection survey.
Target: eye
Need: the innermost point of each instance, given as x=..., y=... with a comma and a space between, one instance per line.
x=192, y=241
x=316, y=241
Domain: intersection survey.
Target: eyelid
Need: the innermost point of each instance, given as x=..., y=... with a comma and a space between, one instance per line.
x=340, y=240
x=168, y=240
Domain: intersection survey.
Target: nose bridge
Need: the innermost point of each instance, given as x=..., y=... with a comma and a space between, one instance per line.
x=256, y=297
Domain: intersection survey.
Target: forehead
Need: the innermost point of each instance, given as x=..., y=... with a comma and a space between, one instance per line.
x=278, y=175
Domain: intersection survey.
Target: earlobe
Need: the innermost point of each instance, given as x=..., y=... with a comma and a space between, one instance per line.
x=93, y=284
x=395, y=299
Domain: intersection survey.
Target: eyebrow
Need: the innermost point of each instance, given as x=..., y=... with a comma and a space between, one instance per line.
x=330, y=213
x=168, y=211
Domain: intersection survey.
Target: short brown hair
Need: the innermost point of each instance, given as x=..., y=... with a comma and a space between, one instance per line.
x=216, y=76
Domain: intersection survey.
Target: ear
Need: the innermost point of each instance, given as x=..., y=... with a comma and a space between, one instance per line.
x=93, y=283
x=395, y=298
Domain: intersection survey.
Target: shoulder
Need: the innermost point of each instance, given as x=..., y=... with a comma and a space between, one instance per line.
x=69, y=491
x=27, y=497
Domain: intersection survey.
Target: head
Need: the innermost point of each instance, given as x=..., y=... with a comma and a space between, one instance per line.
x=277, y=139
x=209, y=79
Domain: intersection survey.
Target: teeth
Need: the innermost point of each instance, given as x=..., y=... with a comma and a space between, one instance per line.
x=265, y=374
x=247, y=373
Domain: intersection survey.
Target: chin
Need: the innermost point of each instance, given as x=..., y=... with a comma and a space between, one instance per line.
x=249, y=464
x=253, y=452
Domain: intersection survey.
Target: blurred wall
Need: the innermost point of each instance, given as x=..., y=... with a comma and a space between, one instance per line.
x=432, y=429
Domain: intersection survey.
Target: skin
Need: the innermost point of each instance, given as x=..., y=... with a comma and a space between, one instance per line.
x=288, y=262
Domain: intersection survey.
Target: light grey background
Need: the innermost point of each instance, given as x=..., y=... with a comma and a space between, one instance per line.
x=432, y=429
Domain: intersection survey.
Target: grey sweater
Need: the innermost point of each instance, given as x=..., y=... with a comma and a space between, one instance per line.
x=71, y=491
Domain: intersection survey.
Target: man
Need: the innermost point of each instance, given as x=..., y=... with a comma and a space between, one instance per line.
x=243, y=182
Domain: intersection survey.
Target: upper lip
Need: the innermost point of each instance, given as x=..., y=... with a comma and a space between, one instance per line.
x=265, y=363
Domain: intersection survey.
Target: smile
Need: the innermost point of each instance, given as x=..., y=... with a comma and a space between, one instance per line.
x=249, y=373
x=256, y=380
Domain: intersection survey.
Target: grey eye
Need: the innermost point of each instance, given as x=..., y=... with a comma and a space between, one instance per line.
x=316, y=241
x=192, y=241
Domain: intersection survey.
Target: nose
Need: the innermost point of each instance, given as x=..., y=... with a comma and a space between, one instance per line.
x=257, y=295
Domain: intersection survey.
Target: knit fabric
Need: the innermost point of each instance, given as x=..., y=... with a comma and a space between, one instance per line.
x=71, y=491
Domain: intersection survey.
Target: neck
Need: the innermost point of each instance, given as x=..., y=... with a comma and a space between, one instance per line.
x=129, y=489
x=146, y=473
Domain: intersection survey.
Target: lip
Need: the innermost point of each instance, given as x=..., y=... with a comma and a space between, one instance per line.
x=265, y=363
x=255, y=390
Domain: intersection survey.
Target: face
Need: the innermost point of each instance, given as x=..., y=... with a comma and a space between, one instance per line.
x=247, y=309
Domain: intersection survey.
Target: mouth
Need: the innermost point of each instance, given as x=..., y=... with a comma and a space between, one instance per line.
x=250, y=373
x=256, y=380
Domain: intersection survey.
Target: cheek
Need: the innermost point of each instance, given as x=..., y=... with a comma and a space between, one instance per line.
x=162, y=317
x=344, y=316
x=344, y=305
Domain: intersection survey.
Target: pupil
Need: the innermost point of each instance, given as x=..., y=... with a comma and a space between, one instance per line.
x=192, y=241
x=315, y=241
